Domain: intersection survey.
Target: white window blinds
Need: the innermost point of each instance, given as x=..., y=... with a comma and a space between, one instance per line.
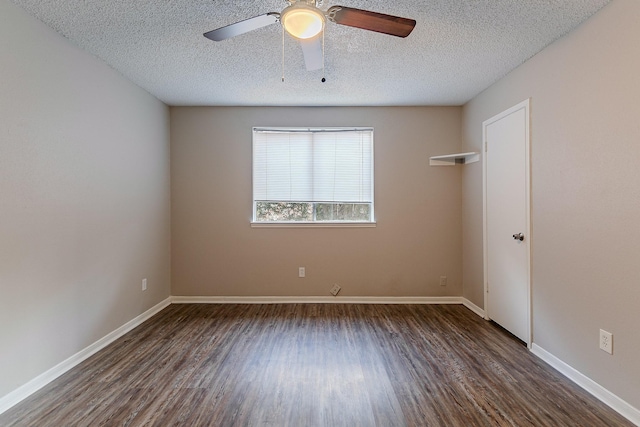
x=313, y=165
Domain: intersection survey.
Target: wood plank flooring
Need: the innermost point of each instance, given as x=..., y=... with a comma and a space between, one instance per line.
x=313, y=365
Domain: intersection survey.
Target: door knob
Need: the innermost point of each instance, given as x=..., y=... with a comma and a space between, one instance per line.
x=519, y=236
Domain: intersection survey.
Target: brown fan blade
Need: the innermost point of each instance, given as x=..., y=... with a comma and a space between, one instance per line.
x=242, y=27
x=372, y=21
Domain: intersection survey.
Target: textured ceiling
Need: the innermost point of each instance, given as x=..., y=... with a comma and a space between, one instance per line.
x=458, y=49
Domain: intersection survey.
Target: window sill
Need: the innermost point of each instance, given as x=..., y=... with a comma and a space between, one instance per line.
x=303, y=224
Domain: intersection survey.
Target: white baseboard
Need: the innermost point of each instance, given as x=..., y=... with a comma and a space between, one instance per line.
x=601, y=393
x=45, y=378
x=313, y=300
x=471, y=306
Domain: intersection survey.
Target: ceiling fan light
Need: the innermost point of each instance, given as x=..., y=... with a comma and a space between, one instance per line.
x=302, y=21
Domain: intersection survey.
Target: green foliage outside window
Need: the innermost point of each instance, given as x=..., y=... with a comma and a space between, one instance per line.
x=301, y=211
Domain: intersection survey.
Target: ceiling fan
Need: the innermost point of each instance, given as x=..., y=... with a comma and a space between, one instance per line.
x=305, y=20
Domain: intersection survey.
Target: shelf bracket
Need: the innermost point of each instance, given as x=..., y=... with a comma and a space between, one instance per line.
x=454, y=159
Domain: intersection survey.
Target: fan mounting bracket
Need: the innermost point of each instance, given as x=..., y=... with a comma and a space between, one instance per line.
x=331, y=13
x=314, y=3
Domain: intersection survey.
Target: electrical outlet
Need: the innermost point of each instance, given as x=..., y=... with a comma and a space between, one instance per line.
x=144, y=284
x=443, y=280
x=334, y=291
x=301, y=272
x=606, y=341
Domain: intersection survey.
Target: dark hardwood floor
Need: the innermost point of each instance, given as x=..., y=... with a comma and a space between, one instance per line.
x=313, y=365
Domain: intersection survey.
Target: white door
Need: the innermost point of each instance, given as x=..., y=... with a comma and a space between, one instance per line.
x=507, y=219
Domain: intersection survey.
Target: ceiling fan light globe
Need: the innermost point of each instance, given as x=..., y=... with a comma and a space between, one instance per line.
x=302, y=22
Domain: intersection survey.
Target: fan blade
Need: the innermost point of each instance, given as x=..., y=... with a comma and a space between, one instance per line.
x=312, y=50
x=372, y=21
x=242, y=27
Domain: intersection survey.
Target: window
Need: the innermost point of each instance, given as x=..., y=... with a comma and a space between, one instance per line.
x=313, y=175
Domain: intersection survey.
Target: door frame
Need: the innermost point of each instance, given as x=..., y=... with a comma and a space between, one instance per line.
x=527, y=241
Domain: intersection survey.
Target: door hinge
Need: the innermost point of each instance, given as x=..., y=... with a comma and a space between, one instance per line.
x=485, y=146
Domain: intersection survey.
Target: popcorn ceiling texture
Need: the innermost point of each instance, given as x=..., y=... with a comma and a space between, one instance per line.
x=458, y=49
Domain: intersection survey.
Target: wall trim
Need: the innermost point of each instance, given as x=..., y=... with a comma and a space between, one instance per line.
x=601, y=393
x=312, y=300
x=471, y=306
x=26, y=390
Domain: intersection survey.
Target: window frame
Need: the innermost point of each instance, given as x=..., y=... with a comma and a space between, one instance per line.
x=313, y=224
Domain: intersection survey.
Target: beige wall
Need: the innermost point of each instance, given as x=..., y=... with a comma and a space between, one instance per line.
x=84, y=199
x=215, y=252
x=585, y=194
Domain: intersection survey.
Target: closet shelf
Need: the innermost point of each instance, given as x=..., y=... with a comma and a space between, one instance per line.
x=454, y=159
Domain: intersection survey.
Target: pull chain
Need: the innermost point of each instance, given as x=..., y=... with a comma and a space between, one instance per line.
x=283, y=53
x=323, y=79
